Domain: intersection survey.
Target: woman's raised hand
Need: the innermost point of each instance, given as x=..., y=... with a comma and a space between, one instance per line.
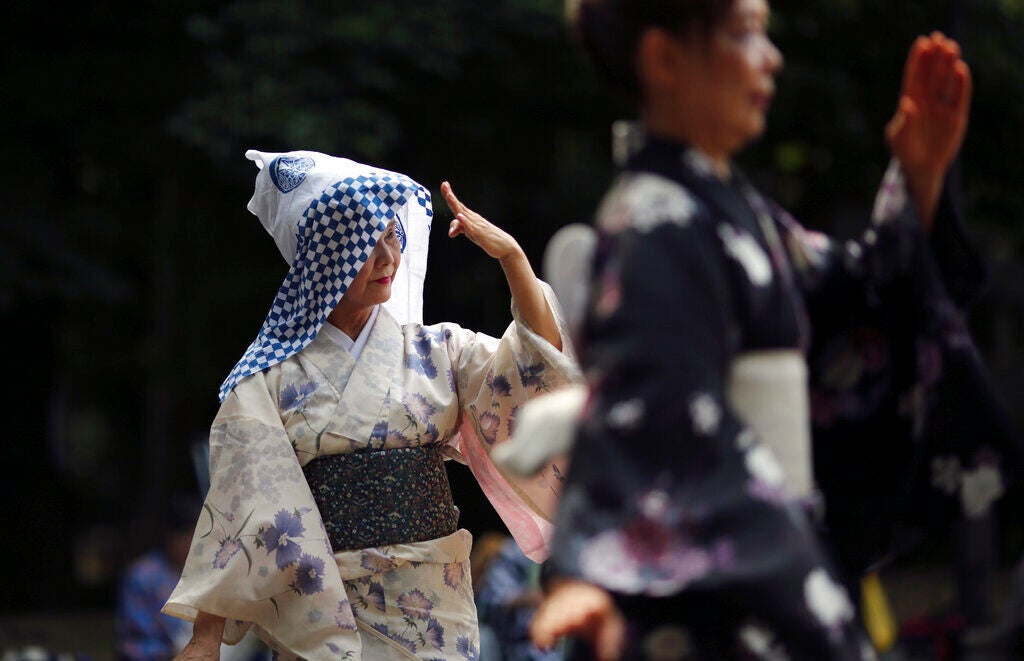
x=499, y=244
x=496, y=242
x=930, y=122
x=929, y=125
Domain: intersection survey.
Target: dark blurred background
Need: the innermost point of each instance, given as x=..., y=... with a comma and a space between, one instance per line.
x=132, y=277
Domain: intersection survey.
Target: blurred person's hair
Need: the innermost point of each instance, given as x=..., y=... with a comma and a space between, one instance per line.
x=180, y=511
x=610, y=30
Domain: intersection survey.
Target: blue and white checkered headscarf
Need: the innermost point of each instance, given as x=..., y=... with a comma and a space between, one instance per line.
x=326, y=214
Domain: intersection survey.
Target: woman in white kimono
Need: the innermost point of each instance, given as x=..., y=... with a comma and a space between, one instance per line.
x=329, y=525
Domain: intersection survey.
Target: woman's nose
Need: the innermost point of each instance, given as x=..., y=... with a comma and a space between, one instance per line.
x=774, y=55
x=387, y=255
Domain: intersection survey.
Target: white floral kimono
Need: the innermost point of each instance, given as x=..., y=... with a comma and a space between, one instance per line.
x=261, y=556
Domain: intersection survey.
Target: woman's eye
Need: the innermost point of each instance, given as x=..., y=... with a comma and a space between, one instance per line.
x=746, y=30
x=745, y=34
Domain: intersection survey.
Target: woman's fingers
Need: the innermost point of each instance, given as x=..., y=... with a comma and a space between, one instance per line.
x=548, y=625
x=466, y=220
x=543, y=632
x=895, y=130
x=926, y=75
x=464, y=223
x=458, y=225
x=962, y=87
x=911, y=70
x=468, y=224
x=610, y=637
x=894, y=127
x=935, y=74
x=493, y=240
x=453, y=202
x=584, y=610
x=945, y=71
x=949, y=44
x=555, y=620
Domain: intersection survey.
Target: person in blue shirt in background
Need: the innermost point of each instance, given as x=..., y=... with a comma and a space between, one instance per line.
x=143, y=632
x=508, y=591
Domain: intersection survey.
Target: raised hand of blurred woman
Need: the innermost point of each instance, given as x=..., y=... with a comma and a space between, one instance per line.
x=930, y=122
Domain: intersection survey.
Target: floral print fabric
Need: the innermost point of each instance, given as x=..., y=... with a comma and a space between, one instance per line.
x=261, y=555
x=672, y=502
x=900, y=399
x=693, y=517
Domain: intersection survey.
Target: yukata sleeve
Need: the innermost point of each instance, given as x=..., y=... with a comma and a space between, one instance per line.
x=260, y=555
x=900, y=399
x=668, y=491
x=962, y=268
x=494, y=378
x=890, y=246
x=957, y=261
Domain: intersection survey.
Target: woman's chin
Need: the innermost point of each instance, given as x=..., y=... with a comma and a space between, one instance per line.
x=384, y=296
x=750, y=135
x=757, y=126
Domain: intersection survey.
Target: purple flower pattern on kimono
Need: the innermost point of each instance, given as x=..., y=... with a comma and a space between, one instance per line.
x=309, y=575
x=410, y=386
x=280, y=538
x=468, y=649
x=293, y=398
x=413, y=596
x=271, y=572
x=228, y=549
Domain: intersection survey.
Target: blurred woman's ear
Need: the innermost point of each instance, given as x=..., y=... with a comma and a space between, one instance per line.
x=660, y=61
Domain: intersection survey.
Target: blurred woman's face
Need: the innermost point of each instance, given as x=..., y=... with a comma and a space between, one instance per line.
x=717, y=91
x=372, y=285
x=743, y=63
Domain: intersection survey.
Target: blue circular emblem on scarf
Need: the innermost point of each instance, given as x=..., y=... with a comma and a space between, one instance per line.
x=400, y=232
x=287, y=172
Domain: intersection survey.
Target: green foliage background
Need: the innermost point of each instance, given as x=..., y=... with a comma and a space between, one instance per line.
x=132, y=277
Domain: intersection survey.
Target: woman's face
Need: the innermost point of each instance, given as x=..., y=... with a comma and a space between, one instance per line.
x=743, y=64
x=372, y=285
x=722, y=86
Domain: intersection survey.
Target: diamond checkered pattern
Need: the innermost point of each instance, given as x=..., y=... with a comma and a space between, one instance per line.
x=335, y=238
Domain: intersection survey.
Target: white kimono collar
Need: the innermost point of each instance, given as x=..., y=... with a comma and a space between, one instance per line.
x=363, y=385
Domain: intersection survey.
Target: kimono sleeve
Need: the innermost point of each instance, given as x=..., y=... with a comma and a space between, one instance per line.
x=260, y=554
x=963, y=270
x=668, y=492
x=960, y=267
x=892, y=245
x=900, y=399
x=494, y=377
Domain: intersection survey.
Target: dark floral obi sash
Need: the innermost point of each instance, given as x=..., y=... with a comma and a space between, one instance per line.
x=392, y=496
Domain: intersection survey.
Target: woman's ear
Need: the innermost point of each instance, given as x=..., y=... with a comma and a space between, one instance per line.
x=660, y=61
